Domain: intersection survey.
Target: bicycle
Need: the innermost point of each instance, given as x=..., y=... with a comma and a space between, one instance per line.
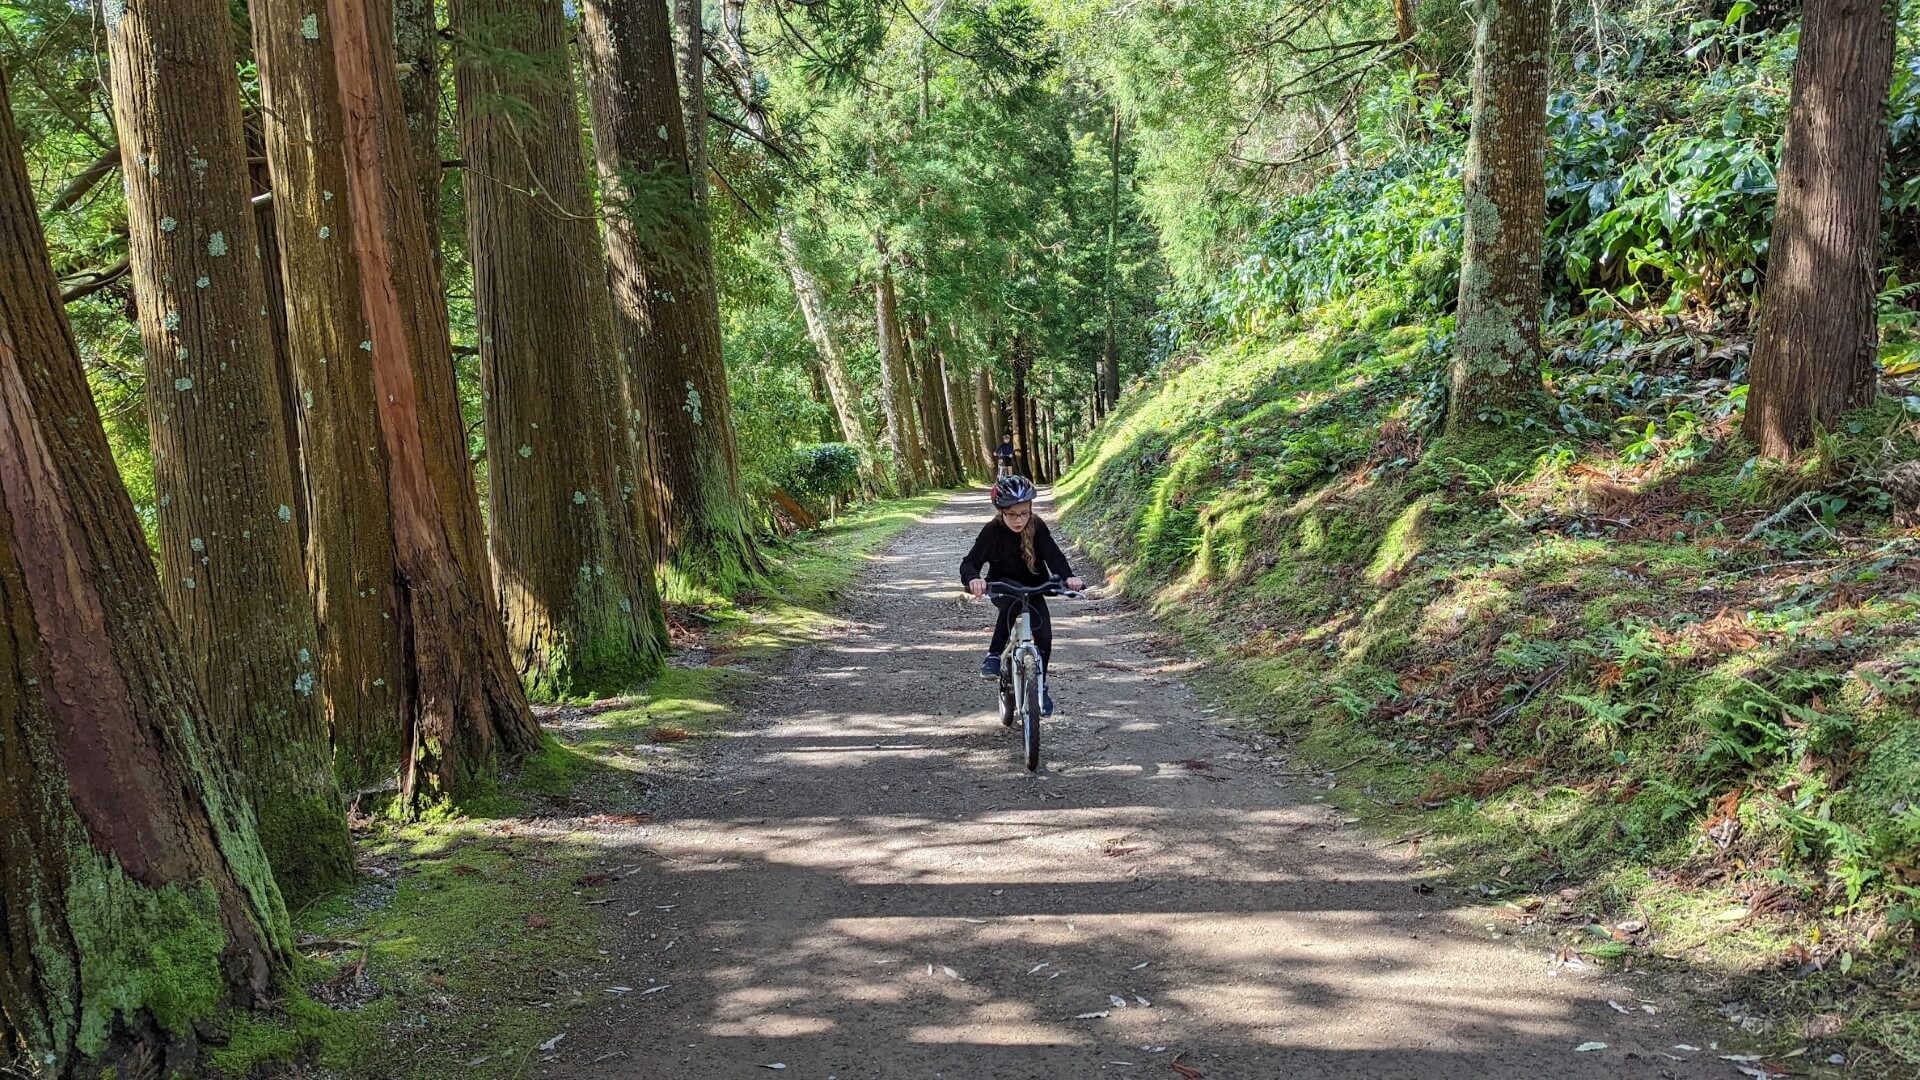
x=1023, y=678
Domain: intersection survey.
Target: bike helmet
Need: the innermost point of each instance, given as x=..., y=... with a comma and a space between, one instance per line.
x=1012, y=491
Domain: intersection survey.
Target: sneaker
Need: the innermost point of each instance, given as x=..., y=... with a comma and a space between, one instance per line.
x=1046, y=703
x=990, y=667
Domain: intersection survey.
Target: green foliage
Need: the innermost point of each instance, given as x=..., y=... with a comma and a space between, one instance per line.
x=1565, y=645
x=817, y=472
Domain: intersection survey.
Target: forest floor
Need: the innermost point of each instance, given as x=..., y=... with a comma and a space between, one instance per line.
x=859, y=880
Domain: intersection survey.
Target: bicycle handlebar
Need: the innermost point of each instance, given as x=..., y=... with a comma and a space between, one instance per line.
x=1050, y=588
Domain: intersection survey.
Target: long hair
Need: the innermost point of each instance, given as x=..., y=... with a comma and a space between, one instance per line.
x=1026, y=540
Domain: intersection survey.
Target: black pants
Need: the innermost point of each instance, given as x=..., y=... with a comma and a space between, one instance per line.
x=1042, y=627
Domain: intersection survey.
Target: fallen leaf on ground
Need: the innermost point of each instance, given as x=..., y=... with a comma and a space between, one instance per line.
x=668, y=733
x=1619, y=1008
x=775, y=1065
x=1116, y=1001
x=1186, y=1071
x=593, y=880
x=1589, y=1046
x=1038, y=968
x=654, y=989
x=538, y=922
x=553, y=1042
x=1101, y=1015
x=951, y=974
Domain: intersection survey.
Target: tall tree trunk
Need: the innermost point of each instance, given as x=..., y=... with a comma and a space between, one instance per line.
x=962, y=416
x=1110, y=355
x=1814, y=348
x=574, y=576
x=988, y=416
x=896, y=389
x=464, y=709
x=689, y=47
x=1022, y=427
x=937, y=390
x=349, y=543
x=840, y=384
x=663, y=293
x=230, y=555
x=1496, y=365
x=416, y=40
x=274, y=290
x=942, y=458
x=135, y=899
x=1405, y=30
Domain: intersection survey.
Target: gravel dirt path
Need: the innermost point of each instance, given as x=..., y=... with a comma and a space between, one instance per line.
x=863, y=882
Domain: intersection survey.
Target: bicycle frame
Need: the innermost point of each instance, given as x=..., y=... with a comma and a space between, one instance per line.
x=1018, y=643
x=1023, y=674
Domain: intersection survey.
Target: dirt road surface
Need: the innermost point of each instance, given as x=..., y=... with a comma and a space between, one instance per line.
x=863, y=882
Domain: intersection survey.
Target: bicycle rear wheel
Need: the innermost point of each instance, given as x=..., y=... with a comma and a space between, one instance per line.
x=1030, y=710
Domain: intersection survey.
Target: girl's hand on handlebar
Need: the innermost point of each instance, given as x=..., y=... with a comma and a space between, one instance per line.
x=1074, y=584
x=977, y=587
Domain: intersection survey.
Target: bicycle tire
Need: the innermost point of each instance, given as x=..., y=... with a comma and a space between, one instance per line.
x=1030, y=719
x=1007, y=717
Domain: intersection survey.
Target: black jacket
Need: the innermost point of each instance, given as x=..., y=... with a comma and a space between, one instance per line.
x=999, y=547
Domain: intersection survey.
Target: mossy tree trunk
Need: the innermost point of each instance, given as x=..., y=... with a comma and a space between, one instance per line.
x=230, y=551
x=463, y=708
x=1814, y=348
x=896, y=387
x=1496, y=364
x=663, y=294
x=349, y=542
x=416, y=41
x=574, y=571
x=135, y=898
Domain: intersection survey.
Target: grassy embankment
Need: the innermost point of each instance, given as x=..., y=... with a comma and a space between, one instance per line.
x=1603, y=676
x=471, y=939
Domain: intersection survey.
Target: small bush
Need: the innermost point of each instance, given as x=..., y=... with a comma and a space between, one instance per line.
x=817, y=472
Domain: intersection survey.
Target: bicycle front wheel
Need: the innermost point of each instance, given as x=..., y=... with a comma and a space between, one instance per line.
x=1030, y=710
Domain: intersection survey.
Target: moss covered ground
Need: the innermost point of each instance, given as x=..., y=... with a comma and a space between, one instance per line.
x=1609, y=668
x=469, y=939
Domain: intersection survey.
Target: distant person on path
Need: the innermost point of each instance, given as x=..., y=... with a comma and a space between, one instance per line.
x=1005, y=454
x=1017, y=546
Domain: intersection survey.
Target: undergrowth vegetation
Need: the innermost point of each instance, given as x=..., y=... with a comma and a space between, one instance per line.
x=1617, y=671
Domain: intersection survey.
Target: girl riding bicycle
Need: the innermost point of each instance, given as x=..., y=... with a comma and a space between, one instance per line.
x=1017, y=546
